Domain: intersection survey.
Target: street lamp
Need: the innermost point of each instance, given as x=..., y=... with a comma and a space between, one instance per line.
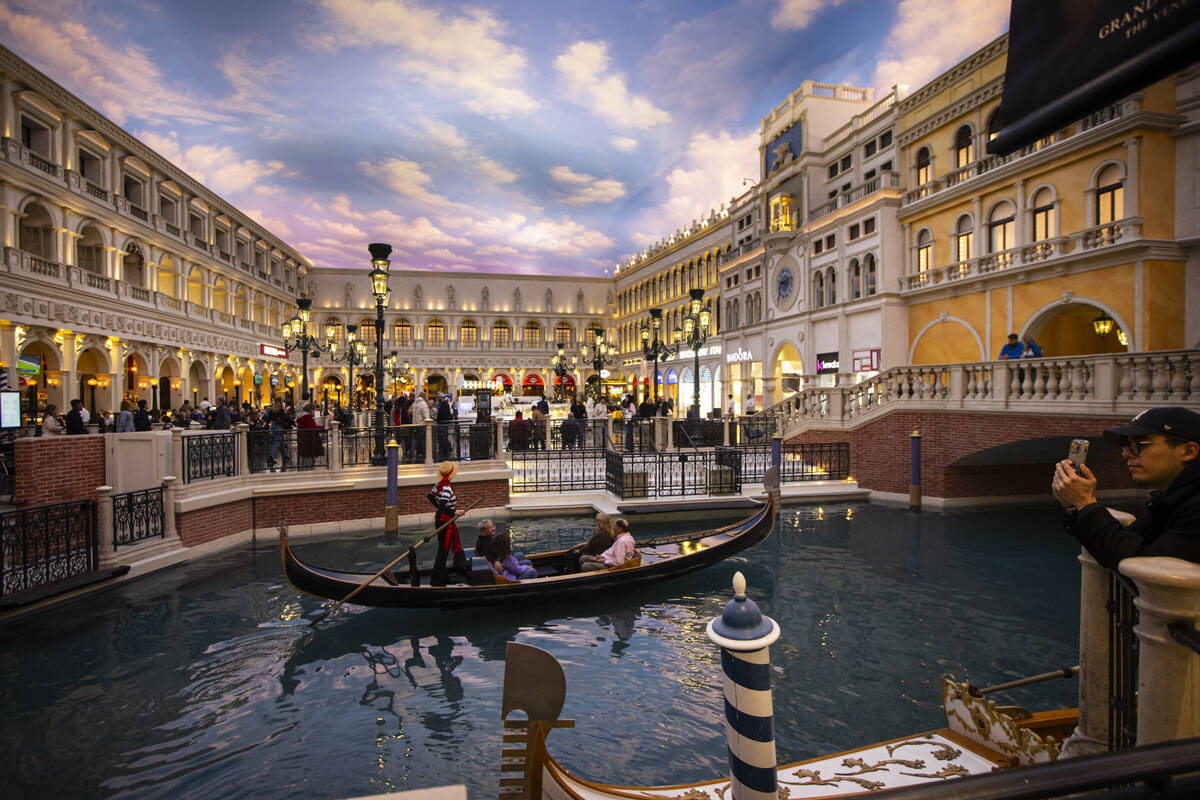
x=600, y=354
x=559, y=363
x=295, y=337
x=379, y=288
x=655, y=348
x=355, y=355
x=695, y=332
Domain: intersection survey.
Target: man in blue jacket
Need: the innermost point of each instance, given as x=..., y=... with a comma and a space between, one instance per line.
x=1013, y=349
x=1161, y=447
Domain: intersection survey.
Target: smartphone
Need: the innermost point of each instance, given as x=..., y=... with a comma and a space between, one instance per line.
x=1078, y=452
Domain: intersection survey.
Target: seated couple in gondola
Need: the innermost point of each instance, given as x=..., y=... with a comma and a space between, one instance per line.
x=496, y=548
x=610, y=546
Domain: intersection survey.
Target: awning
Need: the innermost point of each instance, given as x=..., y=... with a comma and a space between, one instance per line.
x=533, y=380
x=1067, y=59
x=507, y=381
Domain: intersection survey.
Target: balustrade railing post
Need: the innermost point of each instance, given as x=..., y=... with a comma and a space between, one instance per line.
x=242, y=443
x=170, y=534
x=1168, y=703
x=105, y=537
x=1104, y=380
x=177, y=453
x=498, y=434
x=956, y=385
x=666, y=431
x=334, y=457
x=428, y=441
x=608, y=426
x=837, y=404
x=725, y=434
x=1091, y=730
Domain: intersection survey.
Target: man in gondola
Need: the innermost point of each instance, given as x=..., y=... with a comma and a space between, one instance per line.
x=443, y=497
x=1161, y=448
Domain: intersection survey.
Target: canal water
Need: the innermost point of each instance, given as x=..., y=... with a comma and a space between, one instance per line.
x=202, y=681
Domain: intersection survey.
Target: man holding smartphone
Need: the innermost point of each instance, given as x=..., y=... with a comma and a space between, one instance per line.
x=1161, y=447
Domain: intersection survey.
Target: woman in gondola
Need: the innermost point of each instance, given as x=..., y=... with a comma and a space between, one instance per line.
x=601, y=540
x=444, y=498
x=506, y=562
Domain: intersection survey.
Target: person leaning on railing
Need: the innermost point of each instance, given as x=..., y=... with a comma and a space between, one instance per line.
x=1161, y=447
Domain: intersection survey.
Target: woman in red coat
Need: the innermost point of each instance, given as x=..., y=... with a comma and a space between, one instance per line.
x=308, y=442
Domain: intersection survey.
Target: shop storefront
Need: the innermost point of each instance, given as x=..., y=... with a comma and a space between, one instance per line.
x=744, y=379
x=533, y=386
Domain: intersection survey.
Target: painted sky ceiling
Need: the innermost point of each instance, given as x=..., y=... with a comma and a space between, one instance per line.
x=517, y=137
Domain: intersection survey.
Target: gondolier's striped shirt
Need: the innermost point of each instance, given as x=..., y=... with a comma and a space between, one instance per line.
x=447, y=502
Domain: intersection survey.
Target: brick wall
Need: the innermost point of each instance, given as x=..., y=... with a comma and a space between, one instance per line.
x=54, y=469
x=879, y=452
x=205, y=525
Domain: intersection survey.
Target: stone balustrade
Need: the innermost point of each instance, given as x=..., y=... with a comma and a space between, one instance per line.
x=1096, y=385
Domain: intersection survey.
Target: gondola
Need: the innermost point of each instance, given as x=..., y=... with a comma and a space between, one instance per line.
x=658, y=559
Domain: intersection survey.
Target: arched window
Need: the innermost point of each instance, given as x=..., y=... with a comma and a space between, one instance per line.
x=818, y=289
x=195, y=286
x=924, y=251
x=468, y=334
x=90, y=251
x=924, y=166
x=402, y=333
x=562, y=333
x=1110, y=195
x=964, y=148
x=964, y=238
x=1001, y=227
x=830, y=286
x=435, y=333
x=366, y=330
x=1043, y=215
x=37, y=232
x=501, y=335
x=855, y=277
x=991, y=124
x=533, y=334
x=871, y=275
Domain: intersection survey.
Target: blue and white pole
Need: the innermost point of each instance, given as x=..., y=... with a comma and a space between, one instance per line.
x=745, y=636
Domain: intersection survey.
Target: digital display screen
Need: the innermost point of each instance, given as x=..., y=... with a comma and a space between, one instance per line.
x=10, y=409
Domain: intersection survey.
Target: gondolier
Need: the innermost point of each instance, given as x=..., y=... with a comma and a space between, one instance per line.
x=443, y=497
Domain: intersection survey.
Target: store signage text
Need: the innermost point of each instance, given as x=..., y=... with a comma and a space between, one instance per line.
x=827, y=363
x=738, y=355
x=705, y=352
x=274, y=351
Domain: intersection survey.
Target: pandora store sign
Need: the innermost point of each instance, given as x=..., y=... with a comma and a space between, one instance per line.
x=739, y=355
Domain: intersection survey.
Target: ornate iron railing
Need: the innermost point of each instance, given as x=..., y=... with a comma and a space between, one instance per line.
x=757, y=429
x=358, y=444
x=209, y=455
x=817, y=461
x=637, y=435
x=288, y=451
x=673, y=474
x=545, y=471
x=47, y=544
x=1122, y=663
x=137, y=516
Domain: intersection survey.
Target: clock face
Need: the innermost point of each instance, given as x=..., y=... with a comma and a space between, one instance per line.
x=784, y=283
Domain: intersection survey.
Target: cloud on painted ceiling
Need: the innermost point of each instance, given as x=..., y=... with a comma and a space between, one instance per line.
x=915, y=51
x=794, y=15
x=585, y=67
x=625, y=144
x=580, y=189
x=221, y=168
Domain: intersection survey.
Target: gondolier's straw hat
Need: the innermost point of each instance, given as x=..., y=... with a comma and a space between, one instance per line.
x=446, y=467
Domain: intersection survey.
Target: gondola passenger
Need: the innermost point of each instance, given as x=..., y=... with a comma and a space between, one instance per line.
x=601, y=540
x=622, y=550
x=505, y=560
x=443, y=497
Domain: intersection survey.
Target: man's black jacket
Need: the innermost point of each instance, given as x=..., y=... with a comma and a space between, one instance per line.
x=1170, y=526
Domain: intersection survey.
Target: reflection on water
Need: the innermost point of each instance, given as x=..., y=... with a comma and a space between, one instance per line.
x=206, y=681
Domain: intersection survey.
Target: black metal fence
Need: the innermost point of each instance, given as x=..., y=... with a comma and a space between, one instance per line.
x=558, y=471
x=1122, y=663
x=818, y=461
x=43, y=545
x=757, y=429
x=358, y=444
x=638, y=435
x=137, y=516
x=452, y=441
x=209, y=455
x=690, y=433
x=674, y=474
x=288, y=451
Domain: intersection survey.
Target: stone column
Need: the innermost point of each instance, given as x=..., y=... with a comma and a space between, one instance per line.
x=104, y=526
x=1091, y=731
x=335, y=445
x=1131, y=176
x=428, y=441
x=8, y=351
x=177, y=453
x=241, y=431
x=1168, y=671
x=170, y=533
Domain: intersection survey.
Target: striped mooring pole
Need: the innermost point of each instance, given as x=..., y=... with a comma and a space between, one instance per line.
x=391, y=513
x=745, y=636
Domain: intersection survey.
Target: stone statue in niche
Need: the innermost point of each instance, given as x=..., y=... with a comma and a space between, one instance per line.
x=485, y=301
x=450, y=295
x=549, y=300
x=517, y=299
x=417, y=294
x=349, y=289
x=579, y=302
x=610, y=298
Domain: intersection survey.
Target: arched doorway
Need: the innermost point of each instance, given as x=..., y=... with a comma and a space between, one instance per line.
x=788, y=372
x=225, y=383
x=332, y=392
x=564, y=386
x=170, y=384
x=436, y=384
x=38, y=376
x=1077, y=329
x=533, y=386
x=502, y=384
x=243, y=387
x=137, y=379
x=197, y=378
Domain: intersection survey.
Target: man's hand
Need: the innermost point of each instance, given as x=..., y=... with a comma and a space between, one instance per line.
x=460, y=512
x=1074, y=488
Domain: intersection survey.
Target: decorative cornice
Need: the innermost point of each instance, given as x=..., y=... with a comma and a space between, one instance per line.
x=988, y=52
x=989, y=90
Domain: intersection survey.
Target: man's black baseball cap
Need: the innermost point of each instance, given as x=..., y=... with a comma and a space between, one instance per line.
x=1176, y=421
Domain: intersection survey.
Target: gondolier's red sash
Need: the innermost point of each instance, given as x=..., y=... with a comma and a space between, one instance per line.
x=453, y=545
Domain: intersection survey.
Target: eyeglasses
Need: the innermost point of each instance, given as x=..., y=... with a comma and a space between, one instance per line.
x=1136, y=446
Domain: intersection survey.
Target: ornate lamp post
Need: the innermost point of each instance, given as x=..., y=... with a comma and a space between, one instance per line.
x=379, y=288
x=561, y=370
x=355, y=355
x=295, y=337
x=655, y=348
x=695, y=332
x=601, y=355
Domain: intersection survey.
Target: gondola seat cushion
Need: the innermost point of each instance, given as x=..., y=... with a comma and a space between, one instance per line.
x=636, y=561
x=481, y=572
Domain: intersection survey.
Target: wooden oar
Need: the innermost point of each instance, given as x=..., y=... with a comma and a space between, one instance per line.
x=368, y=581
x=1065, y=672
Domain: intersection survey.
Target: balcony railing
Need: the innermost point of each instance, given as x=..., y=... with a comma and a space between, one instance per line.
x=138, y=293
x=49, y=167
x=198, y=243
x=95, y=191
x=139, y=212
x=171, y=229
x=883, y=180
